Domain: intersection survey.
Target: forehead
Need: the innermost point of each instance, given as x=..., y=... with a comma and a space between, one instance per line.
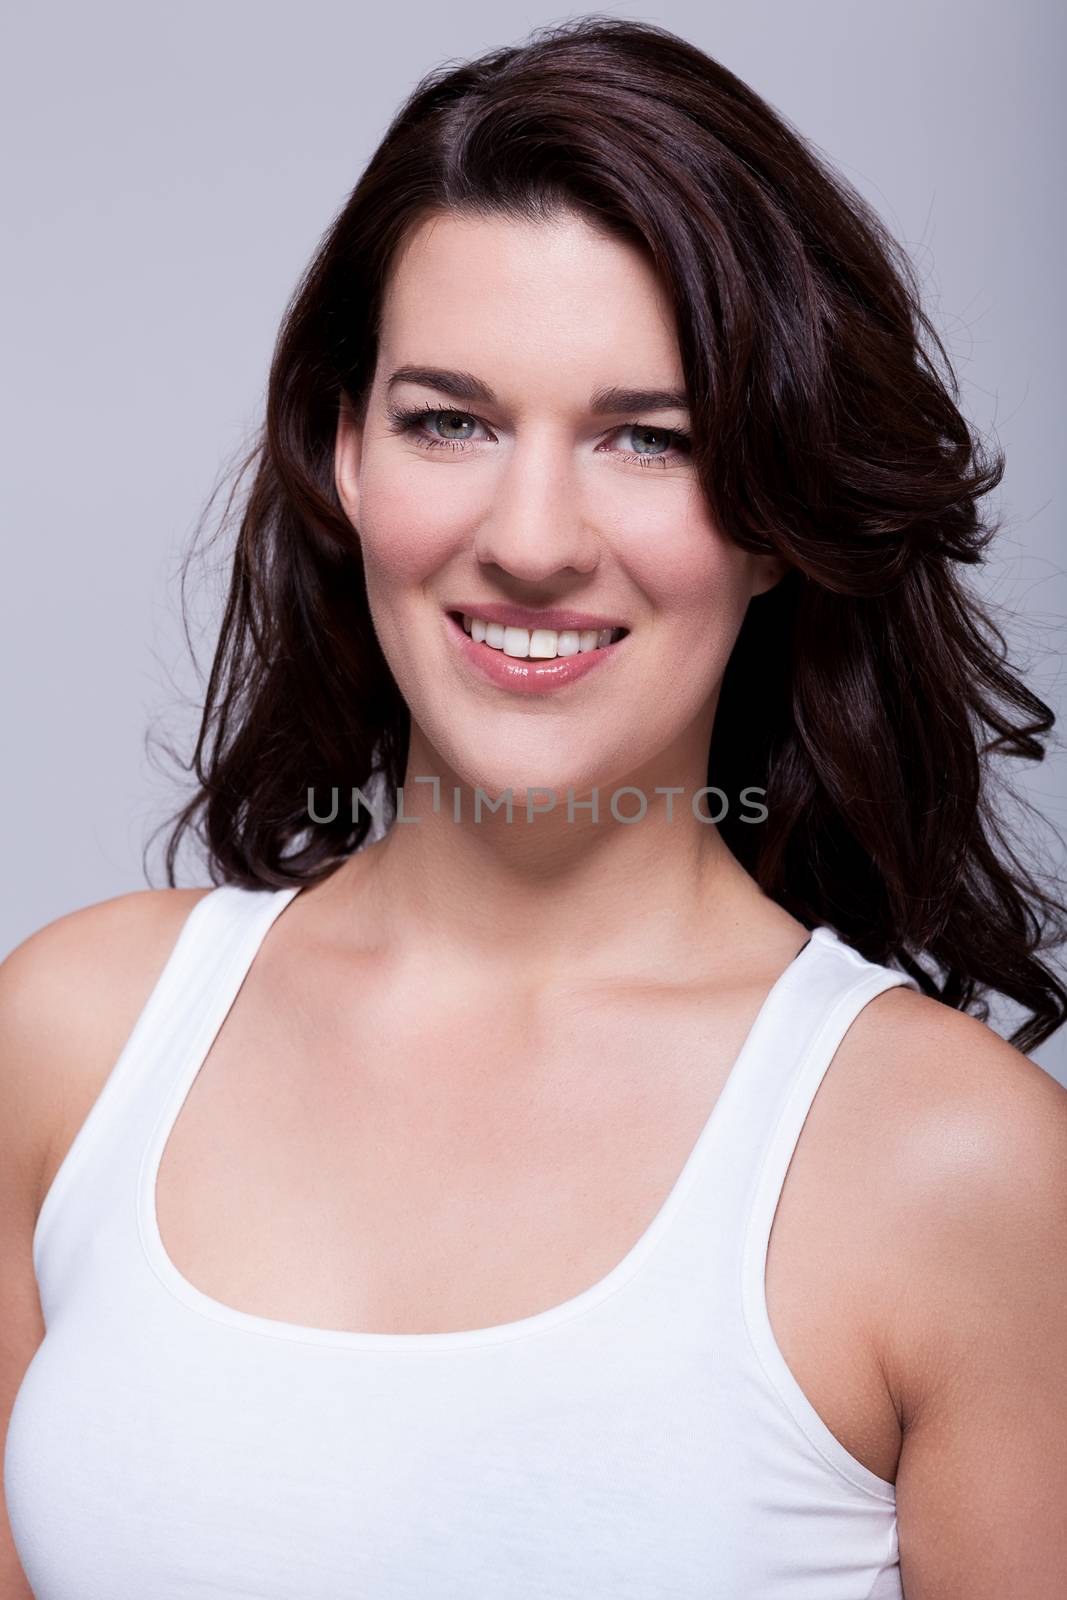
x=510, y=291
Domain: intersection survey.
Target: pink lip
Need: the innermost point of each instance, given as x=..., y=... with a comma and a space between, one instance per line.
x=531, y=617
x=525, y=676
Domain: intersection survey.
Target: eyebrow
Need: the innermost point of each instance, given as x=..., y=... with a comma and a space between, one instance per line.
x=605, y=402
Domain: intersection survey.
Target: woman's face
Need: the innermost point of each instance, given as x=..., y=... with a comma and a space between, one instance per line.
x=530, y=494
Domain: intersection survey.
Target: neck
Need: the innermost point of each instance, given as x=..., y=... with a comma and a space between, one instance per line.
x=550, y=896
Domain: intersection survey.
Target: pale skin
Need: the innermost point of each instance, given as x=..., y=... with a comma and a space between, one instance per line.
x=915, y=1277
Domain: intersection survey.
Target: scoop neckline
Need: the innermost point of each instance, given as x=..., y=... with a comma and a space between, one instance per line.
x=539, y=1322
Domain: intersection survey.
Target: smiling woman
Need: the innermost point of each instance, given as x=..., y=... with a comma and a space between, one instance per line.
x=602, y=1197
x=539, y=499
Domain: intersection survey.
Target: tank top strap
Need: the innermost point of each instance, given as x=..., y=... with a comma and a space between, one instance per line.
x=184, y=1010
x=718, y=1220
x=792, y=1048
x=787, y=1054
x=798, y=1050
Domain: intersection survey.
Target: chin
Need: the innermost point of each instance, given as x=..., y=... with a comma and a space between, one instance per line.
x=493, y=778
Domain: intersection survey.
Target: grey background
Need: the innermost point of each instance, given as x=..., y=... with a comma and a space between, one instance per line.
x=168, y=172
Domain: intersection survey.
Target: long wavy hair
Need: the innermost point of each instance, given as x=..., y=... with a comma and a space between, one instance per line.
x=868, y=691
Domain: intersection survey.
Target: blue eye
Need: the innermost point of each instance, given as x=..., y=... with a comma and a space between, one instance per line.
x=666, y=436
x=668, y=445
x=450, y=419
x=412, y=422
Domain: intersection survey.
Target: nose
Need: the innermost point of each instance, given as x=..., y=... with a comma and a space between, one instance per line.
x=535, y=528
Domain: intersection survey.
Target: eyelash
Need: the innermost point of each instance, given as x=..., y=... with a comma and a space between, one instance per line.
x=405, y=421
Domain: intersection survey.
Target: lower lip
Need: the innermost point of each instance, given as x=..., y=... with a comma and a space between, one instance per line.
x=523, y=675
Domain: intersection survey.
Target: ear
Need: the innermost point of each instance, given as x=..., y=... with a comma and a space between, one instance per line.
x=347, y=455
x=766, y=572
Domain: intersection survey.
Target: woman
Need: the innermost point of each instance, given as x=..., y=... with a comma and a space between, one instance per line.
x=395, y=1217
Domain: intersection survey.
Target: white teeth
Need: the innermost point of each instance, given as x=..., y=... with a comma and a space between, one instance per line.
x=545, y=643
x=516, y=641
x=538, y=643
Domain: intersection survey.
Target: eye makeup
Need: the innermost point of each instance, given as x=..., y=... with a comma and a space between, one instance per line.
x=411, y=421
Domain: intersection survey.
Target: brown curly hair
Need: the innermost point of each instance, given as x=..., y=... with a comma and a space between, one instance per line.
x=867, y=692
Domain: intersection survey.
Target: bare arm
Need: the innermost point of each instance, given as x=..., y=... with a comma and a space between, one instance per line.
x=69, y=997
x=976, y=1335
x=24, y=1125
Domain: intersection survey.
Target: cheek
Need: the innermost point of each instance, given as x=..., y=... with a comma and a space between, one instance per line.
x=407, y=529
x=688, y=571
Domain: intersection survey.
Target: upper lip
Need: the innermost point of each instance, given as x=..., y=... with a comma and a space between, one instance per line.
x=532, y=617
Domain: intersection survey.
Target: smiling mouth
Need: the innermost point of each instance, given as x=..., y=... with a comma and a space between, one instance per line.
x=537, y=644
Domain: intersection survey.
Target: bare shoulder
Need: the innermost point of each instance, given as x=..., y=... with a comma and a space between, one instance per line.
x=955, y=1110
x=70, y=994
x=962, y=1138
x=964, y=1142
x=936, y=1094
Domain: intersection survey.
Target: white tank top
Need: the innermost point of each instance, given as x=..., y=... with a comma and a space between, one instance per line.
x=644, y=1439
